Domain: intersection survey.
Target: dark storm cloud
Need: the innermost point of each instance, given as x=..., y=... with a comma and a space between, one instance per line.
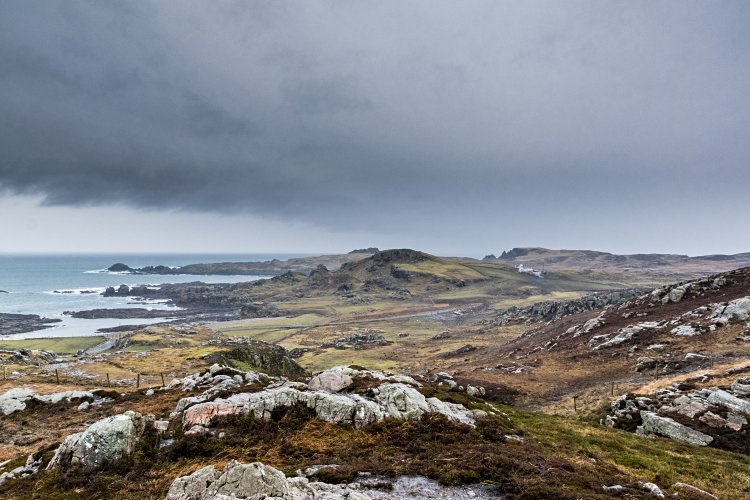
x=344, y=112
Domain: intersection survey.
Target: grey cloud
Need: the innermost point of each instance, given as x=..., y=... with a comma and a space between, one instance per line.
x=353, y=113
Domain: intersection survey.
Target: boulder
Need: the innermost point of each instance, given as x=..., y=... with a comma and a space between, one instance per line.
x=690, y=407
x=663, y=426
x=193, y=486
x=736, y=422
x=402, y=401
x=711, y=419
x=475, y=391
x=15, y=400
x=723, y=398
x=105, y=441
x=254, y=480
x=735, y=311
x=334, y=380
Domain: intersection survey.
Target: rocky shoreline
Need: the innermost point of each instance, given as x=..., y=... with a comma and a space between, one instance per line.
x=127, y=313
x=11, y=324
x=265, y=268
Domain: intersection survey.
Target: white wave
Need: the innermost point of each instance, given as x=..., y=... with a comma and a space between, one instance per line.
x=77, y=291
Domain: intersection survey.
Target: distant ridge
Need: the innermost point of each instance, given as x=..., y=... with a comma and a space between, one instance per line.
x=608, y=262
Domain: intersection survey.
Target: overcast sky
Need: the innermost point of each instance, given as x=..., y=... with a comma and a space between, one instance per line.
x=454, y=127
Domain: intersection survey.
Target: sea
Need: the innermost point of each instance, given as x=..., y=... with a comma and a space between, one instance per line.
x=49, y=285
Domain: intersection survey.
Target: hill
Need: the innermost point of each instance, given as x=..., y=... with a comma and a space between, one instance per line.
x=650, y=266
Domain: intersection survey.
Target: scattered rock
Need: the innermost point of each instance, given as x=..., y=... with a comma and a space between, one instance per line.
x=645, y=363
x=15, y=399
x=692, y=357
x=685, y=331
x=690, y=491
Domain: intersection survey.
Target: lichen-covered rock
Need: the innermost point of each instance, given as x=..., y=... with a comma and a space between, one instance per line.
x=720, y=397
x=741, y=386
x=627, y=333
x=340, y=409
x=391, y=400
x=335, y=379
x=663, y=426
x=340, y=378
x=675, y=295
x=254, y=481
x=106, y=440
x=193, y=486
x=734, y=312
x=15, y=399
x=402, y=401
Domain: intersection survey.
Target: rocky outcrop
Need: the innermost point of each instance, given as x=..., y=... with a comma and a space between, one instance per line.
x=359, y=340
x=119, y=268
x=339, y=409
x=550, y=310
x=664, y=426
x=254, y=481
x=699, y=416
x=623, y=335
x=259, y=481
x=383, y=396
x=262, y=356
x=21, y=323
x=16, y=399
x=735, y=311
x=126, y=313
x=105, y=441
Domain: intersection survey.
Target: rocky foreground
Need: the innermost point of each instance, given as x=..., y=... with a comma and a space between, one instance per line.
x=249, y=435
x=345, y=396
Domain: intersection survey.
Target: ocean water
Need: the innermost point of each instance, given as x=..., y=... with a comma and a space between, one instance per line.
x=32, y=280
